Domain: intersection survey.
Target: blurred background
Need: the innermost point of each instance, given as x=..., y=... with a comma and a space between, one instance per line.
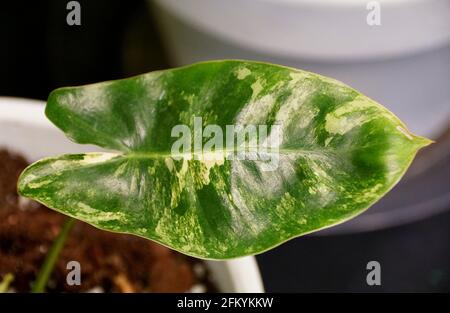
x=404, y=63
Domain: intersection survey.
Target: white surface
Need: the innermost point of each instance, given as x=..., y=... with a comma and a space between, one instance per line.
x=237, y=275
x=25, y=129
x=325, y=29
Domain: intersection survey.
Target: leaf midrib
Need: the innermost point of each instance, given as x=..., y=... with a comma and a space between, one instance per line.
x=157, y=154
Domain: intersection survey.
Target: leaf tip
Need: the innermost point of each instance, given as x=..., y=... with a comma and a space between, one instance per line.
x=423, y=141
x=418, y=141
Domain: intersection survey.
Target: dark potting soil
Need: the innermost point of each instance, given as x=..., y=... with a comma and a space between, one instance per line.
x=109, y=262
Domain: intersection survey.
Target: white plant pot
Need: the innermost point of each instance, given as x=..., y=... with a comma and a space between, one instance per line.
x=404, y=63
x=25, y=129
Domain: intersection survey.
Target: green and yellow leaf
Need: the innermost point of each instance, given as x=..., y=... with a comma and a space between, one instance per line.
x=339, y=153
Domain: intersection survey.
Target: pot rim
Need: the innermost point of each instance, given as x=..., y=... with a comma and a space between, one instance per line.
x=321, y=30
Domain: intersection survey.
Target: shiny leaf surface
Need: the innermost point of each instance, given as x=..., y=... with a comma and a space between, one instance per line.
x=339, y=152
